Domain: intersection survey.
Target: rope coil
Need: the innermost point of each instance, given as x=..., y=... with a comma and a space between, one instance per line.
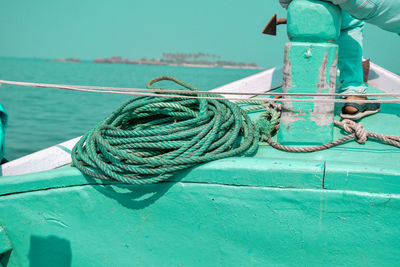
x=148, y=139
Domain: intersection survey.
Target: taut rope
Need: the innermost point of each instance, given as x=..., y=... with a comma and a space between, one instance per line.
x=194, y=94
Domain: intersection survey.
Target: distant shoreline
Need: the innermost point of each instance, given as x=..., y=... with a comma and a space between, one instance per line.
x=199, y=60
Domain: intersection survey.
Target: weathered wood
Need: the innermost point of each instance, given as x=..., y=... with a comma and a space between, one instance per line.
x=310, y=66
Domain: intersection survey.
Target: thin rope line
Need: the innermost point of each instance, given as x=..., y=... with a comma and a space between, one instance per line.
x=161, y=90
x=355, y=130
x=81, y=88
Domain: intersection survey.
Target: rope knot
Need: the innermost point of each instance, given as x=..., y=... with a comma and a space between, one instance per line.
x=356, y=128
x=267, y=122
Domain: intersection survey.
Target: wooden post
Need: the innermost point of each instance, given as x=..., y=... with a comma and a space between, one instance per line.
x=310, y=66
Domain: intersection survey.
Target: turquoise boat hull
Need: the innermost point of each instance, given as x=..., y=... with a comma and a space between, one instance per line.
x=335, y=207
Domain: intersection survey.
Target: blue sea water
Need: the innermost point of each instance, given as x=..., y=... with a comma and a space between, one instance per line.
x=41, y=117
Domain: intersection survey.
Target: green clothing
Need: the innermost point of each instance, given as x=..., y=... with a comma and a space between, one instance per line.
x=383, y=13
x=3, y=127
x=350, y=55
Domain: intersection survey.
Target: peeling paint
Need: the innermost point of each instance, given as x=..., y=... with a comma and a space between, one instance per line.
x=321, y=85
x=322, y=113
x=287, y=70
x=308, y=68
x=57, y=222
x=290, y=115
x=333, y=75
x=308, y=53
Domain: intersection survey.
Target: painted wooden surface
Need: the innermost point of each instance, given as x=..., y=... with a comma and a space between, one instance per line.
x=383, y=79
x=313, y=20
x=335, y=207
x=339, y=206
x=46, y=159
x=200, y=219
x=310, y=66
x=262, y=82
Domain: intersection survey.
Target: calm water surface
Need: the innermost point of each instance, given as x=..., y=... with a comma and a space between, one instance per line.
x=40, y=117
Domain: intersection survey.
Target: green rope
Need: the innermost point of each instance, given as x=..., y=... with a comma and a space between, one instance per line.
x=268, y=121
x=148, y=139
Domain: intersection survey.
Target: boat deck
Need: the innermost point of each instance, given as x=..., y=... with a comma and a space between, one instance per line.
x=370, y=167
x=333, y=207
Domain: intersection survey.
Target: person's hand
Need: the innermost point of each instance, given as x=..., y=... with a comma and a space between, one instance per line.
x=285, y=3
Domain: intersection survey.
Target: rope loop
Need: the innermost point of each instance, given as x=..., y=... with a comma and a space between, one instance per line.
x=202, y=101
x=356, y=131
x=350, y=126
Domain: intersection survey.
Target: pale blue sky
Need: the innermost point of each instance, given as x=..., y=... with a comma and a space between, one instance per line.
x=146, y=28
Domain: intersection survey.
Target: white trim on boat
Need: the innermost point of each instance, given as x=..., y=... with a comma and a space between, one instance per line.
x=257, y=83
x=46, y=159
x=383, y=79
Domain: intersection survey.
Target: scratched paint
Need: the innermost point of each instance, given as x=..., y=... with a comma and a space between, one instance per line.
x=333, y=71
x=289, y=114
x=322, y=113
x=321, y=85
x=310, y=123
x=310, y=65
x=287, y=69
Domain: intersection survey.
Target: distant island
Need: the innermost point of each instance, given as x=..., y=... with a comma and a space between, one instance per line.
x=71, y=59
x=175, y=59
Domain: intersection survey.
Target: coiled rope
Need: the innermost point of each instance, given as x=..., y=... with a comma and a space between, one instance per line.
x=149, y=138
